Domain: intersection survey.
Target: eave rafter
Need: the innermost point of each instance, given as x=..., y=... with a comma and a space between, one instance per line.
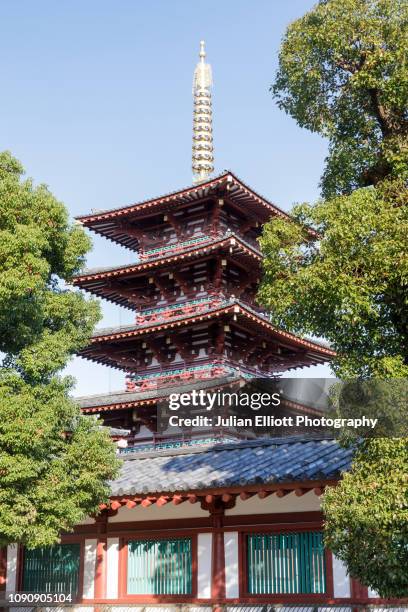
x=134, y=297
x=178, y=229
x=150, y=403
x=225, y=497
x=157, y=350
x=163, y=287
x=183, y=347
x=105, y=282
x=129, y=230
x=182, y=282
x=238, y=311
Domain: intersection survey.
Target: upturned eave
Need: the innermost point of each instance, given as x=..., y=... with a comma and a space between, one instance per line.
x=154, y=263
x=233, y=307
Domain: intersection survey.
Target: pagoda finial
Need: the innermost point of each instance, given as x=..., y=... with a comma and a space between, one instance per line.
x=203, y=158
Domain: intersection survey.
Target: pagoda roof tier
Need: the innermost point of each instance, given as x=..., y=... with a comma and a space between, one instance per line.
x=106, y=342
x=110, y=223
x=233, y=468
x=114, y=283
x=122, y=400
x=119, y=400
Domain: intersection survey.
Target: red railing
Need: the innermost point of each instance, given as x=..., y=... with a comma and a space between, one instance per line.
x=186, y=309
x=167, y=379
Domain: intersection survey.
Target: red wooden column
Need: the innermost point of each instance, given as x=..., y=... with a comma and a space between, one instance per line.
x=3, y=568
x=218, y=556
x=101, y=554
x=359, y=592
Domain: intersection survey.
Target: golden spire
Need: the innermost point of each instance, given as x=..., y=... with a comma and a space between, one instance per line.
x=203, y=158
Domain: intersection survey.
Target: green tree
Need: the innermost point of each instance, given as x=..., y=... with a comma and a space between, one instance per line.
x=366, y=517
x=350, y=286
x=343, y=73
x=54, y=462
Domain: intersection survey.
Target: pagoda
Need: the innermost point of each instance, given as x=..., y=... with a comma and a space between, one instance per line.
x=198, y=521
x=192, y=286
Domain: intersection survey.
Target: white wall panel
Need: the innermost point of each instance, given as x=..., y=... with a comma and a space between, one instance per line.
x=112, y=562
x=231, y=564
x=341, y=580
x=204, y=565
x=11, y=576
x=89, y=569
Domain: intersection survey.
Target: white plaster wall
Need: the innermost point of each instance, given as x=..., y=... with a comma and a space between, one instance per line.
x=290, y=503
x=204, y=565
x=89, y=569
x=341, y=580
x=155, y=513
x=231, y=564
x=112, y=563
x=11, y=576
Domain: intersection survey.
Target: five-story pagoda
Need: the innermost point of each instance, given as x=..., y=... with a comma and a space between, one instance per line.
x=192, y=287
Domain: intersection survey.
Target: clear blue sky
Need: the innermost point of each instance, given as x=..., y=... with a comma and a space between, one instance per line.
x=96, y=102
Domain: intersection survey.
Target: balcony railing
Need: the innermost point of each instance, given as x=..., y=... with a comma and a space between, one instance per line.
x=155, y=315
x=179, y=376
x=174, y=248
x=177, y=247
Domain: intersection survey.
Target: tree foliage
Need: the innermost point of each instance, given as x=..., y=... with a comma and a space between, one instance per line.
x=350, y=286
x=40, y=322
x=54, y=462
x=367, y=516
x=343, y=72
x=384, y=400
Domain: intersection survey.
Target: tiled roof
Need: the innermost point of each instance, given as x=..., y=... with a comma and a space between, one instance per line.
x=170, y=256
x=225, y=174
x=227, y=303
x=105, y=222
x=120, y=397
x=272, y=461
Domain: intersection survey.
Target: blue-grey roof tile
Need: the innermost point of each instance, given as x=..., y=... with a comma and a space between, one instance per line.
x=262, y=461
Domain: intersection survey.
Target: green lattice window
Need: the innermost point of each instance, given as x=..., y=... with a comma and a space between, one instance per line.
x=286, y=563
x=52, y=569
x=160, y=567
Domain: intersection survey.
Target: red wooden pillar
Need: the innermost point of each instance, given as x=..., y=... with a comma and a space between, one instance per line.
x=3, y=568
x=218, y=558
x=359, y=592
x=101, y=560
